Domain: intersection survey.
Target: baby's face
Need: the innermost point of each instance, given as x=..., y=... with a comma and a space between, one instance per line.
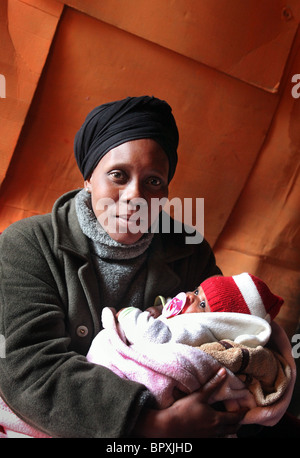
x=196, y=302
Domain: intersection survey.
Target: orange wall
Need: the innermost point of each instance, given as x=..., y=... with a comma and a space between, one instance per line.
x=225, y=66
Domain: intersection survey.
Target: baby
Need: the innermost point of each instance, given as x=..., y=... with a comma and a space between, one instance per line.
x=238, y=295
x=171, y=347
x=242, y=293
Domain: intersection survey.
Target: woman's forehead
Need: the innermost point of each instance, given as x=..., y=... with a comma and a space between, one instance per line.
x=145, y=153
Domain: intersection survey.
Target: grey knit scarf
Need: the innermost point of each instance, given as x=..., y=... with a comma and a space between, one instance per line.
x=121, y=269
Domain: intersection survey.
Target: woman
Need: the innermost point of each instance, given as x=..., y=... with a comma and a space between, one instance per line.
x=58, y=271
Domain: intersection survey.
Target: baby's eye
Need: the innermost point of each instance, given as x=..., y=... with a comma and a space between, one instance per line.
x=196, y=292
x=202, y=304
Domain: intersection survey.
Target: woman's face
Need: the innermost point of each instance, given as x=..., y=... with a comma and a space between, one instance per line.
x=123, y=186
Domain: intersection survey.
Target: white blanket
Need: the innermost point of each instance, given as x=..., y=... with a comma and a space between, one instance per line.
x=168, y=367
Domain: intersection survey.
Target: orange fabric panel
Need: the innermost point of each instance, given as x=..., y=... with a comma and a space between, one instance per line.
x=91, y=63
x=26, y=35
x=263, y=231
x=249, y=40
x=225, y=66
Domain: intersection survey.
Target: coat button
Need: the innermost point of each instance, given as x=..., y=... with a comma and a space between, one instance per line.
x=82, y=331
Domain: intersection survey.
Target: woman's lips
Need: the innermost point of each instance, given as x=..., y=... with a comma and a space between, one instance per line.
x=129, y=218
x=132, y=222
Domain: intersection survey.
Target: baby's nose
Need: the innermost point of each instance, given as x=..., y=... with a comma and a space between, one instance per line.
x=189, y=297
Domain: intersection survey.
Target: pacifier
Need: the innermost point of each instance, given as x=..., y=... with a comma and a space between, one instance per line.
x=174, y=306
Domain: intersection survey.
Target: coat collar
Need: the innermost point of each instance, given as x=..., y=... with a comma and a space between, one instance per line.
x=68, y=235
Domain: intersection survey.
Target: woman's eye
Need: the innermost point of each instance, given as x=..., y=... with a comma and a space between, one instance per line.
x=117, y=175
x=154, y=181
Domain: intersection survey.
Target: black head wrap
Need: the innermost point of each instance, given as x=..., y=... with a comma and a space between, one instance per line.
x=133, y=118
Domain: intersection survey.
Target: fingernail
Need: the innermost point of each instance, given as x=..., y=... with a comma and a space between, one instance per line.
x=222, y=372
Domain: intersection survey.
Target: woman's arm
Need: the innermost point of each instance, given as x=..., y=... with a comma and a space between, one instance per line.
x=191, y=416
x=44, y=381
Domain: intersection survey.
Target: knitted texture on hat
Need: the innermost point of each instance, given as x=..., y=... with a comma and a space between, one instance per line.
x=242, y=293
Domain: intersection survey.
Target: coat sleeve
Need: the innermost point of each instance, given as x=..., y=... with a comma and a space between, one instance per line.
x=48, y=386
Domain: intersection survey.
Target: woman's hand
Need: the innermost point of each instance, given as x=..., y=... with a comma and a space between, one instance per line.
x=191, y=416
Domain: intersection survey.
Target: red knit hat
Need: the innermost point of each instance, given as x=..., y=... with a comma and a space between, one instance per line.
x=242, y=293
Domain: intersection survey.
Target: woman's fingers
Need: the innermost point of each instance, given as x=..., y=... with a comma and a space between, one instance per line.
x=227, y=422
x=213, y=384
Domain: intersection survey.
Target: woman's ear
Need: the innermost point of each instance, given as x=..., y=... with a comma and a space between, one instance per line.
x=88, y=185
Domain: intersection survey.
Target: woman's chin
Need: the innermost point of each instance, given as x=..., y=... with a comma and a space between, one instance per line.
x=126, y=231
x=125, y=238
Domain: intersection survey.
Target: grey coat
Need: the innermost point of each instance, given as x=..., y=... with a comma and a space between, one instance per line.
x=50, y=312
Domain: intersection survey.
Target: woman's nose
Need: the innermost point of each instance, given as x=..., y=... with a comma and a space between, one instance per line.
x=134, y=191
